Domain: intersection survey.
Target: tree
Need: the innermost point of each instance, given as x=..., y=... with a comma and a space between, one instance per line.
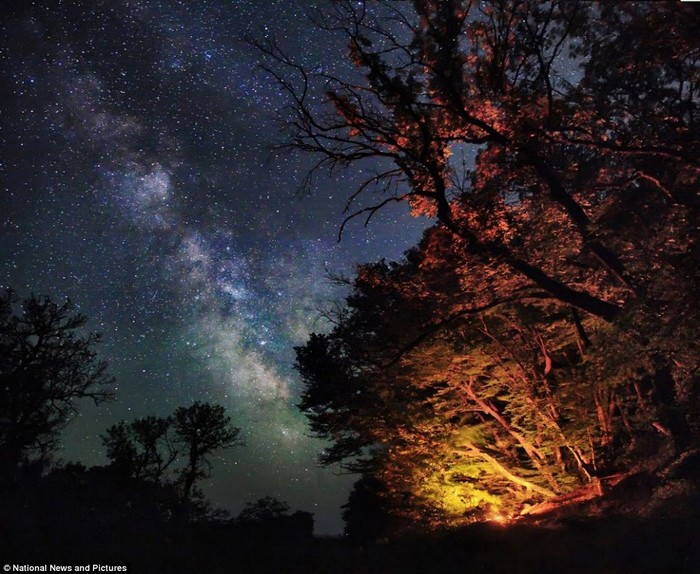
x=200, y=430
x=172, y=453
x=366, y=518
x=270, y=518
x=466, y=400
x=543, y=331
x=442, y=82
x=47, y=367
x=428, y=394
x=143, y=449
x=267, y=509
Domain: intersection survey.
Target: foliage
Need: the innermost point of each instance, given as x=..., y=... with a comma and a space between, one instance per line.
x=264, y=509
x=199, y=430
x=541, y=335
x=181, y=444
x=143, y=449
x=47, y=367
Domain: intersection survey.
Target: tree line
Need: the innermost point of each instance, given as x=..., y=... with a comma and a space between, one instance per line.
x=48, y=367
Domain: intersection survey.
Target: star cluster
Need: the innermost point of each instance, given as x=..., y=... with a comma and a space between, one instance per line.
x=136, y=180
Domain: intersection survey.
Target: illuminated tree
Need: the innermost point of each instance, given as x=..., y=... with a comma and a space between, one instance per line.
x=443, y=83
x=465, y=409
x=543, y=331
x=432, y=389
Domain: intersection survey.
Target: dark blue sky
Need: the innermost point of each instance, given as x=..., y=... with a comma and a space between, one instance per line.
x=136, y=179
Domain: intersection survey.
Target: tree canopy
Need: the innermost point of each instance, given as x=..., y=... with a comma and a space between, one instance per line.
x=172, y=452
x=201, y=429
x=48, y=364
x=542, y=333
x=445, y=81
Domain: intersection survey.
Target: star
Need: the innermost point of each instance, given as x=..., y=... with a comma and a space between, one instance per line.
x=137, y=181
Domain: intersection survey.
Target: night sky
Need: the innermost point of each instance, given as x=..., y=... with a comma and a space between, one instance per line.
x=136, y=180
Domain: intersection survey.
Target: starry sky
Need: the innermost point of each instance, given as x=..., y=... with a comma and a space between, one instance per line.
x=136, y=179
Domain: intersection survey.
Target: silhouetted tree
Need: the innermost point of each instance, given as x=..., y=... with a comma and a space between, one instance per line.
x=264, y=510
x=366, y=514
x=199, y=430
x=143, y=449
x=172, y=453
x=269, y=516
x=47, y=366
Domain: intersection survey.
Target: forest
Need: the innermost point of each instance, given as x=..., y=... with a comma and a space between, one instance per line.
x=520, y=392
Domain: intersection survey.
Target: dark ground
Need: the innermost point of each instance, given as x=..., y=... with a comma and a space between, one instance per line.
x=603, y=545
x=646, y=525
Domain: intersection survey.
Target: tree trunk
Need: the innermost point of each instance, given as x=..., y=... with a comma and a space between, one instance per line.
x=579, y=299
x=503, y=471
x=535, y=456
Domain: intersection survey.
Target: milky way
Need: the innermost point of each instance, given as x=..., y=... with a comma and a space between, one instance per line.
x=136, y=180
